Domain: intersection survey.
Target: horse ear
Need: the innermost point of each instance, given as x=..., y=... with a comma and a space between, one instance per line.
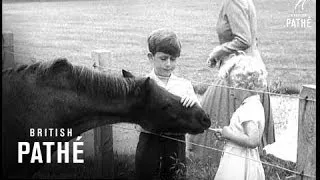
x=127, y=74
x=147, y=83
x=144, y=89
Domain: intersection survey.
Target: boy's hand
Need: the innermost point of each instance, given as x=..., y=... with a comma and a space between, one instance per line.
x=186, y=101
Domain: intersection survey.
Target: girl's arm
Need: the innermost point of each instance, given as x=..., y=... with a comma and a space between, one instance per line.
x=250, y=139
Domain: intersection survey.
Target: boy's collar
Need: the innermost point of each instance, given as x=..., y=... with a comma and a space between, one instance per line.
x=153, y=75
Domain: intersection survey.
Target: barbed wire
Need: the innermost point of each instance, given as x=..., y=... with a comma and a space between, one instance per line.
x=192, y=81
x=212, y=148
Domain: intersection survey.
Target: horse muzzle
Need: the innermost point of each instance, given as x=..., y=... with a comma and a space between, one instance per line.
x=205, y=121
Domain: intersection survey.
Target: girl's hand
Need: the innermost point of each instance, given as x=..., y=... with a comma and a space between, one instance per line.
x=226, y=132
x=218, y=133
x=186, y=101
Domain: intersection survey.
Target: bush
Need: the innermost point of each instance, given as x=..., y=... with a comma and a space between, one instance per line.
x=274, y=172
x=279, y=87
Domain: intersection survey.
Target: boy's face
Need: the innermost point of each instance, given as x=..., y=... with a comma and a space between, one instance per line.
x=163, y=63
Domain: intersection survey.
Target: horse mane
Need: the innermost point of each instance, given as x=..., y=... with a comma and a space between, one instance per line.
x=60, y=73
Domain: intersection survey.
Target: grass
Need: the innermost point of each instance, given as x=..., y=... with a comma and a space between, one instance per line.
x=276, y=173
x=279, y=87
x=67, y=171
x=45, y=30
x=201, y=169
x=124, y=169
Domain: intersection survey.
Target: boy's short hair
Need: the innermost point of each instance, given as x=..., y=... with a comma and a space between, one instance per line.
x=164, y=40
x=245, y=72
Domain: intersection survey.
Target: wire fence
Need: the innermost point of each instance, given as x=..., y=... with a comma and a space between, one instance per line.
x=215, y=149
x=34, y=60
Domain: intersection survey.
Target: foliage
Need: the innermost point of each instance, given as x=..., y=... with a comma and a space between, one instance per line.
x=279, y=87
x=196, y=169
x=201, y=169
x=124, y=166
x=274, y=172
x=178, y=167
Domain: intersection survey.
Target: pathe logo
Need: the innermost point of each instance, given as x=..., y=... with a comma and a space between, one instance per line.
x=300, y=19
x=301, y=4
x=62, y=148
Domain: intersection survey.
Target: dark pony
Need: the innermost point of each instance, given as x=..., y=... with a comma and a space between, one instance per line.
x=57, y=94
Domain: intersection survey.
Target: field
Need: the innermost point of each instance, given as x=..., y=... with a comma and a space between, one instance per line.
x=73, y=29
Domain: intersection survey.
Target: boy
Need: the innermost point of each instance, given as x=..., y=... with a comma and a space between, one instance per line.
x=156, y=156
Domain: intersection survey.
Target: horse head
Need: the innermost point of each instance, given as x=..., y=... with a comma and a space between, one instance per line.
x=161, y=111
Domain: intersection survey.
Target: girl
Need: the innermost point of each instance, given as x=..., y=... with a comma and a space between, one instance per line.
x=243, y=134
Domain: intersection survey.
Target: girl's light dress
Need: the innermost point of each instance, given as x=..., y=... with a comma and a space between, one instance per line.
x=233, y=164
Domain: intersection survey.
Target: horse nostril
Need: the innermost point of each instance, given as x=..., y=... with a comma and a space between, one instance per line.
x=208, y=116
x=206, y=121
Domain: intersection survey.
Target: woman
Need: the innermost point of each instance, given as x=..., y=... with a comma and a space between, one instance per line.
x=236, y=29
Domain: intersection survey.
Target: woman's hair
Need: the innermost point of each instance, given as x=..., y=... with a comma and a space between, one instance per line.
x=245, y=72
x=164, y=40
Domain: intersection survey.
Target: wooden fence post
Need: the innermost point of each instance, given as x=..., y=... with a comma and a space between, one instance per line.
x=7, y=50
x=306, y=154
x=103, y=136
